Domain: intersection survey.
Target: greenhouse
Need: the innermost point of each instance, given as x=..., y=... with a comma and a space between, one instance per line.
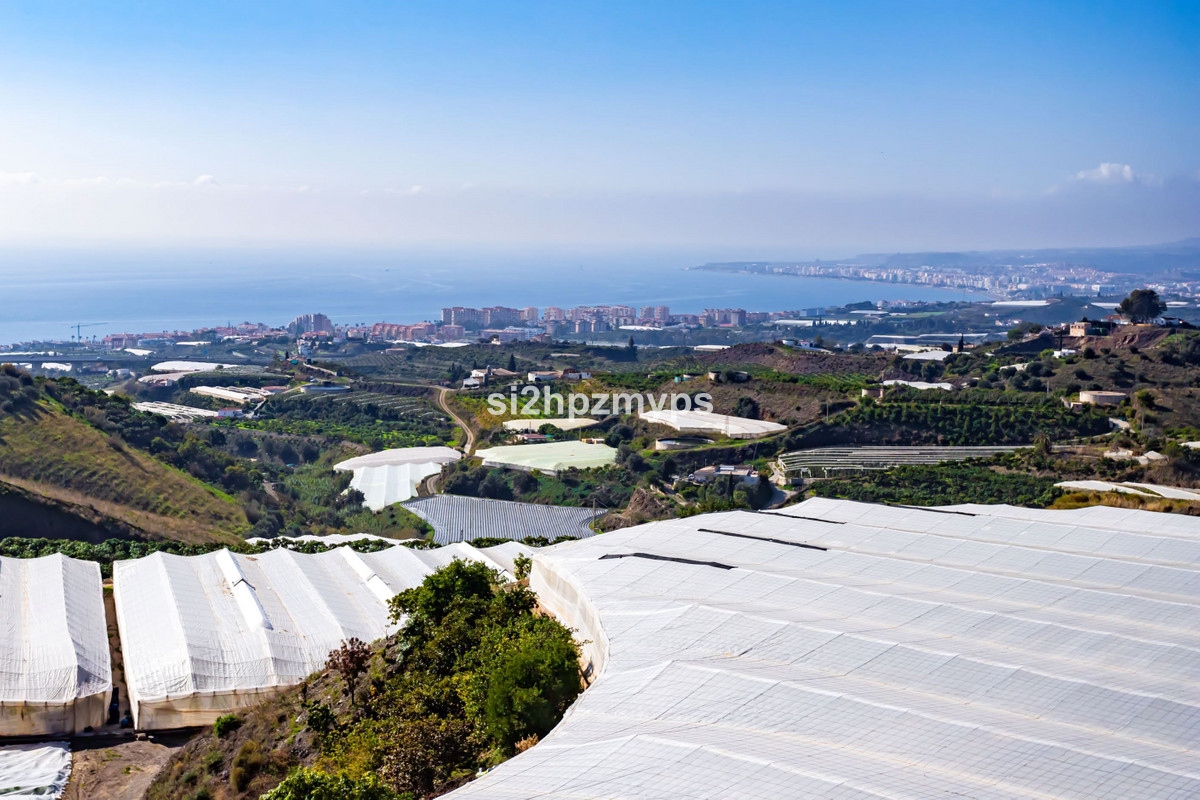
x=848, y=650
x=533, y=424
x=549, y=458
x=206, y=635
x=456, y=518
x=392, y=476
x=54, y=663
x=709, y=423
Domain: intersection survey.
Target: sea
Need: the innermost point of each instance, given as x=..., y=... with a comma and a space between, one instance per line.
x=45, y=292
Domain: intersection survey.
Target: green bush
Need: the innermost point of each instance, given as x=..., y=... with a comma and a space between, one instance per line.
x=310, y=784
x=225, y=725
x=245, y=765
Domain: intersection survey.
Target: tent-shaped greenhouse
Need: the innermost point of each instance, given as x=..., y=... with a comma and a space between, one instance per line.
x=206, y=635
x=54, y=662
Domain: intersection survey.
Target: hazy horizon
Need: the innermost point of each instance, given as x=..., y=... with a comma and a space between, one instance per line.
x=797, y=129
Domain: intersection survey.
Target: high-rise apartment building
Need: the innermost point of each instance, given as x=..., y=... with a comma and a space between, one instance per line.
x=310, y=323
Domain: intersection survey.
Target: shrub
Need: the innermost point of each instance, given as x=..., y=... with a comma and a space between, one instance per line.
x=309, y=784
x=320, y=719
x=244, y=766
x=225, y=725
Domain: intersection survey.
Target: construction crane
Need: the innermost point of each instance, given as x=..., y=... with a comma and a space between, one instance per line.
x=79, y=326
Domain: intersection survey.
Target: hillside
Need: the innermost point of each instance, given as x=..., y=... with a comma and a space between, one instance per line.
x=64, y=477
x=474, y=676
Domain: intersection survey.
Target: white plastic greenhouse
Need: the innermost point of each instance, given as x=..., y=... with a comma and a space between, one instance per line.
x=392, y=476
x=707, y=422
x=550, y=458
x=54, y=661
x=853, y=651
x=206, y=635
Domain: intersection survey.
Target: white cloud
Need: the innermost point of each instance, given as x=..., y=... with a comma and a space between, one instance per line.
x=205, y=180
x=1111, y=173
x=18, y=178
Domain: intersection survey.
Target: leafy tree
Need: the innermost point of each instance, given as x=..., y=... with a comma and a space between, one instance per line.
x=1142, y=305
x=531, y=678
x=512, y=362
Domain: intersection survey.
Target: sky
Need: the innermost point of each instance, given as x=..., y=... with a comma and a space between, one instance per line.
x=773, y=129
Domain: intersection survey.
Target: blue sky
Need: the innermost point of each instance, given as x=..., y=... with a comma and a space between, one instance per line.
x=783, y=125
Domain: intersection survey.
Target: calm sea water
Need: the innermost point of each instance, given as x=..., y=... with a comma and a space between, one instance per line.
x=44, y=293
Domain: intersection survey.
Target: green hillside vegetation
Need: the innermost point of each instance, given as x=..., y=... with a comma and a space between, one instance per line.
x=85, y=465
x=963, y=417
x=397, y=417
x=942, y=484
x=473, y=677
x=82, y=460
x=608, y=487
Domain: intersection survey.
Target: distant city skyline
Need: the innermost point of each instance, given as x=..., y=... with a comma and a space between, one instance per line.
x=831, y=128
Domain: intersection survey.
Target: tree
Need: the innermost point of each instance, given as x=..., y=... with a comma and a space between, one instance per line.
x=746, y=407
x=350, y=660
x=512, y=362
x=1142, y=305
x=1022, y=330
x=495, y=487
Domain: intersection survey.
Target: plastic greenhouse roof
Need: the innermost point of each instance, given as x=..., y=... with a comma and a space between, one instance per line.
x=401, y=455
x=54, y=644
x=456, y=518
x=845, y=650
x=204, y=634
x=393, y=483
x=550, y=457
x=34, y=770
x=708, y=422
x=392, y=476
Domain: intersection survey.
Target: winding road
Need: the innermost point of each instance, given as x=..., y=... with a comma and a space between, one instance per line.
x=469, y=447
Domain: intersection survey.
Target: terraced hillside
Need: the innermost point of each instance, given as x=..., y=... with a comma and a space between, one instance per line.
x=89, y=482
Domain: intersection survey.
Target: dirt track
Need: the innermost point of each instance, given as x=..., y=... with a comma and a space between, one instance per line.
x=118, y=772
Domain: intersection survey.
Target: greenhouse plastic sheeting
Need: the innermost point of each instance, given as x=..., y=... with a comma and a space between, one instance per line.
x=34, y=770
x=54, y=661
x=392, y=476
x=401, y=455
x=206, y=635
x=846, y=650
x=549, y=458
x=707, y=422
x=456, y=518
x=393, y=483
